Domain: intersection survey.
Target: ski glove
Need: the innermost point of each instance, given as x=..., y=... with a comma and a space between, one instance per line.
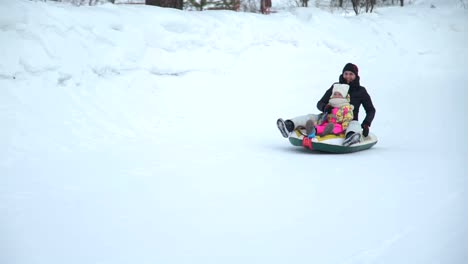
x=365, y=130
x=327, y=108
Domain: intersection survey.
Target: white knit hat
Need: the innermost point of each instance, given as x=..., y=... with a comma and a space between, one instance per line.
x=341, y=88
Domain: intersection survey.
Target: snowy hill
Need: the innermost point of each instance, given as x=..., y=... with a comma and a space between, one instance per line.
x=135, y=134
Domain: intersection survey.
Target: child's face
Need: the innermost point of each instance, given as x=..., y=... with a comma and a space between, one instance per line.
x=337, y=95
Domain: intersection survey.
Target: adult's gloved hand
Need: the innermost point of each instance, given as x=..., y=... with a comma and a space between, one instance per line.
x=365, y=130
x=327, y=108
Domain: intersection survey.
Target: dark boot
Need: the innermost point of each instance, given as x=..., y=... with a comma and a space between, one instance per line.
x=310, y=127
x=285, y=127
x=328, y=129
x=289, y=125
x=351, y=138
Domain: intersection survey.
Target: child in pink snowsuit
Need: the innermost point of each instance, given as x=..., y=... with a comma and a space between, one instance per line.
x=341, y=113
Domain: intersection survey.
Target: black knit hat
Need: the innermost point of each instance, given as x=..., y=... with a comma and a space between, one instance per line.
x=352, y=68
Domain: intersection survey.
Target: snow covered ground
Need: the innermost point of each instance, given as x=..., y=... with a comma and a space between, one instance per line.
x=135, y=134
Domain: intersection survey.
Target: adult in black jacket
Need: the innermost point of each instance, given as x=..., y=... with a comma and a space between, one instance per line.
x=358, y=96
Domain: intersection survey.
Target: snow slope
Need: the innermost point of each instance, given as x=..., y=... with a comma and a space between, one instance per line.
x=135, y=134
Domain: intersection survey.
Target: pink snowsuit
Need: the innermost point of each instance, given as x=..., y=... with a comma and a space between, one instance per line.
x=340, y=116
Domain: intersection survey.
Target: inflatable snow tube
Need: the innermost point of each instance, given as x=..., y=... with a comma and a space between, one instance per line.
x=330, y=143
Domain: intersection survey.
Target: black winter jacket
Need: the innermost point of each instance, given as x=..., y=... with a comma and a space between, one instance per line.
x=358, y=96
